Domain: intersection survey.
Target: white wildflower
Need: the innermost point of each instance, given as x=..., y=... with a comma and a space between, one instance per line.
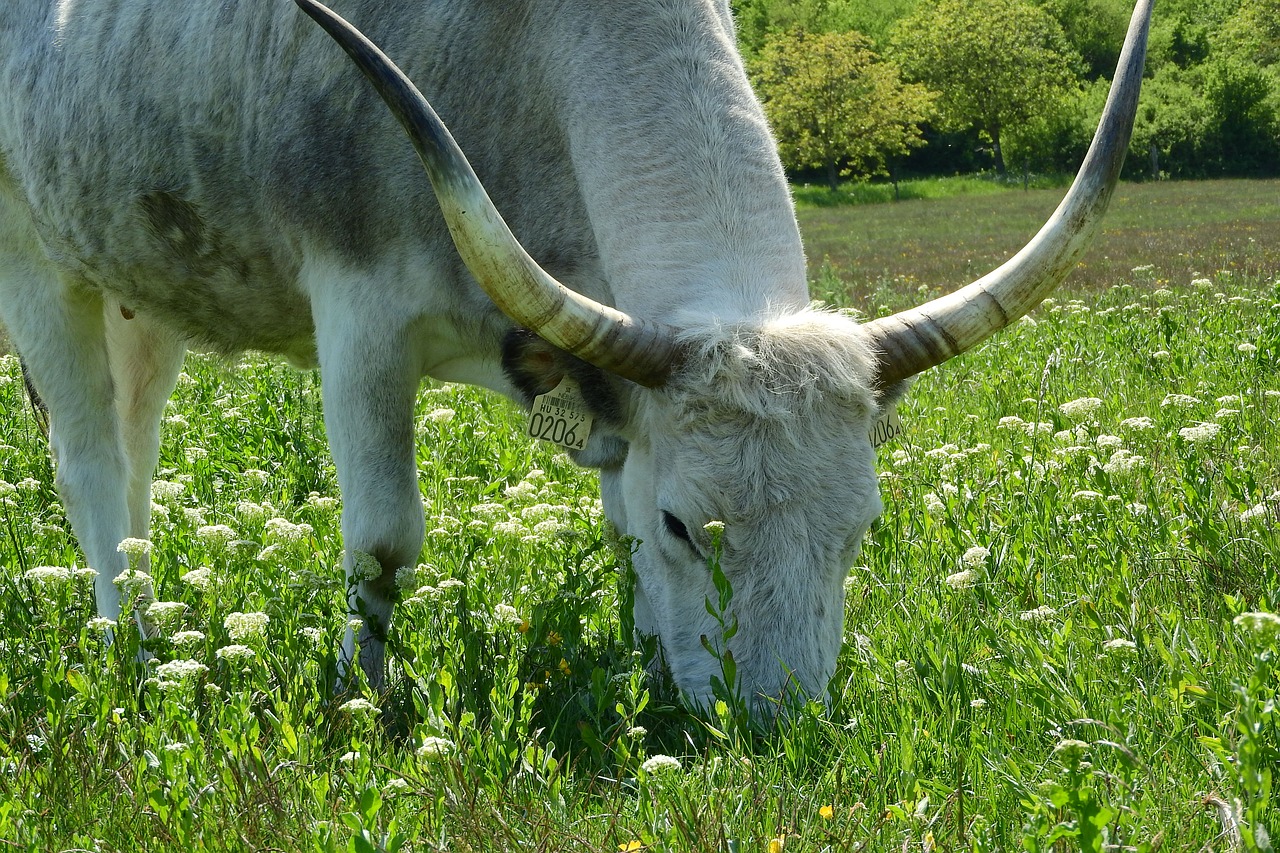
x=48, y=577
x=1123, y=463
x=505, y=614
x=1108, y=442
x=435, y=747
x=488, y=511
x=962, y=580
x=655, y=764
x=975, y=557
x=1084, y=408
x=166, y=613
x=215, y=535
x=252, y=512
x=311, y=634
x=243, y=626
x=187, y=638
x=1120, y=646
x=236, y=653
x=521, y=491
x=1200, y=434
x=549, y=528
x=440, y=416
x=201, y=578
x=510, y=528
x=1263, y=626
x=1138, y=424
x=1071, y=750
x=322, y=503
x=407, y=579
x=1246, y=348
x=133, y=582
x=167, y=491
x=1043, y=613
x=365, y=566
x=284, y=531
x=358, y=707
x=181, y=670
x=134, y=548
x=1181, y=401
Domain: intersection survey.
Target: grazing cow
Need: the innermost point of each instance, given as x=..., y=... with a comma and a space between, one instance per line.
x=216, y=175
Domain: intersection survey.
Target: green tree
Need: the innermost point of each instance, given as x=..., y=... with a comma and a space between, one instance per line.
x=1094, y=29
x=1252, y=33
x=1169, y=131
x=835, y=104
x=759, y=19
x=996, y=64
x=1243, y=127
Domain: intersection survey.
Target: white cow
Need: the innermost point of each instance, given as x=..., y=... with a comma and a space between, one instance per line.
x=214, y=174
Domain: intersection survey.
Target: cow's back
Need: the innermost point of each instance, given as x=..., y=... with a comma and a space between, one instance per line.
x=190, y=157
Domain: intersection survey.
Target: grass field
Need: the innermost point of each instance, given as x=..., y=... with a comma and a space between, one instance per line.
x=1184, y=230
x=1053, y=636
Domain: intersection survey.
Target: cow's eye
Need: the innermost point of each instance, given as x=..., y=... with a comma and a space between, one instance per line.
x=676, y=528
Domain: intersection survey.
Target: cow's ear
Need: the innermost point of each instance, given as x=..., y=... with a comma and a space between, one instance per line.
x=888, y=398
x=536, y=367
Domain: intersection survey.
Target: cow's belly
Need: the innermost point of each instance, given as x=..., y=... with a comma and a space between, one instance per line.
x=159, y=257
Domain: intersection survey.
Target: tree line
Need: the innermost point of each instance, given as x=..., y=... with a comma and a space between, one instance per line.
x=857, y=88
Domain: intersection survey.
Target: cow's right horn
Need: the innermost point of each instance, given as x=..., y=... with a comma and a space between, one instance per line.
x=631, y=347
x=914, y=340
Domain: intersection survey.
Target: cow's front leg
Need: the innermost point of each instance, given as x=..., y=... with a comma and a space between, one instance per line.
x=369, y=380
x=57, y=325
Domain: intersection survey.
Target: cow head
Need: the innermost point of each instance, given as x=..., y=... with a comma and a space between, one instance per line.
x=759, y=423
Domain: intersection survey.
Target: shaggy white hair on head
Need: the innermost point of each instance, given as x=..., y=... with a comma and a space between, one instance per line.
x=779, y=368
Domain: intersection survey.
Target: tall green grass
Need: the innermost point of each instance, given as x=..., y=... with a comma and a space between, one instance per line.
x=1042, y=649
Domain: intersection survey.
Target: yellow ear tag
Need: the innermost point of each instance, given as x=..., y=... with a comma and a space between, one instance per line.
x=886, y=428
x=561, y=416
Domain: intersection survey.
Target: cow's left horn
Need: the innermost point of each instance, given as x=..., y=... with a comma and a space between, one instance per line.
x=631, y=347
x=912, y=341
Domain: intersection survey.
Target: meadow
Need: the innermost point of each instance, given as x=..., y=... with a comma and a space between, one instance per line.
x=1058, y=637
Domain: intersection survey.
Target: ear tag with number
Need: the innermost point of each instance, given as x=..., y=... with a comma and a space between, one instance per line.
x=561, y=416
x=887, y=427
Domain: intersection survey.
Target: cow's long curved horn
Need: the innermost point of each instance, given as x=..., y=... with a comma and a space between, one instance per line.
x=914, y=340
x=631, y=347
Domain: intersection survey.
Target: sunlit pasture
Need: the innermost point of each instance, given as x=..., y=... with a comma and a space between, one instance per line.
x=1058, y=637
